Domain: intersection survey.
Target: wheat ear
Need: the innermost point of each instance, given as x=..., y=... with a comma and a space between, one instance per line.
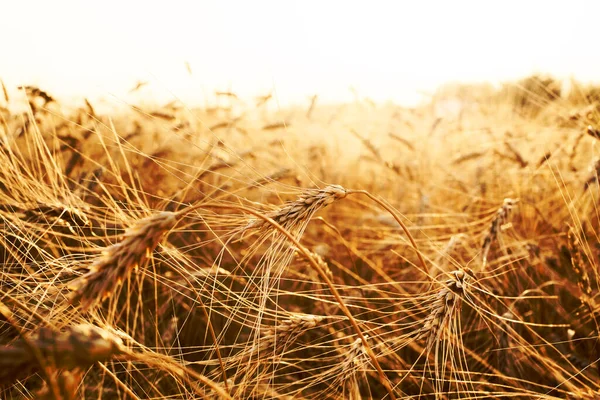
x=355, y=362
x=577, y=262
x=77, y=346
x=57, y=213
x=116, y=262
x=499, y=219
x=302, y=209
x=274, y=339
x=505, y=358
x=447, y=303
x=273, y=342
x=317, y=257
x=288, y=330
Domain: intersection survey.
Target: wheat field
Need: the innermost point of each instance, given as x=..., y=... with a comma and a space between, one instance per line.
x=352, y=251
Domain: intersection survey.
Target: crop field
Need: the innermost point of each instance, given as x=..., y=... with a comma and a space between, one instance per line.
x=244, y=250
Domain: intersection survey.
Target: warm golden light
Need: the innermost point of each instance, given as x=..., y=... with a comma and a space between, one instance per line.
x=384, y=50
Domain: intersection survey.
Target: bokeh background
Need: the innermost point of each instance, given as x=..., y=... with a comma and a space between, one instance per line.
x=383, y=50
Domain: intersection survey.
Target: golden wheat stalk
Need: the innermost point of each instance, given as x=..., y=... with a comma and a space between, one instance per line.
x=115, y=264
x=500, y=219
x=78, y=346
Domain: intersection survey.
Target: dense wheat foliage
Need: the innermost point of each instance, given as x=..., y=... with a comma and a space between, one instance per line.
x=360, y=251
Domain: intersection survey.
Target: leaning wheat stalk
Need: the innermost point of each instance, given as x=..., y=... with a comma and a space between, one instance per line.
x=78, y=346
x=500, y=219
x=117, y=261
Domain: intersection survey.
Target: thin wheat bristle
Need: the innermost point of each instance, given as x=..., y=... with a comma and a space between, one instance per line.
x=303, y=208
x=443, y=259
x=117, y=261
x=4, y=92
x=500, y=219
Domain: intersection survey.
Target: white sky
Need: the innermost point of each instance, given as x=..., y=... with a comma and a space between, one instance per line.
x=385, y=49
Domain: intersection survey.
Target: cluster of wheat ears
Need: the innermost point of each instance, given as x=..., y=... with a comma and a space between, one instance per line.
x=361, y=251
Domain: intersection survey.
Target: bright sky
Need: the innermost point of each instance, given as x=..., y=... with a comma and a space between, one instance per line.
x=384, y=49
